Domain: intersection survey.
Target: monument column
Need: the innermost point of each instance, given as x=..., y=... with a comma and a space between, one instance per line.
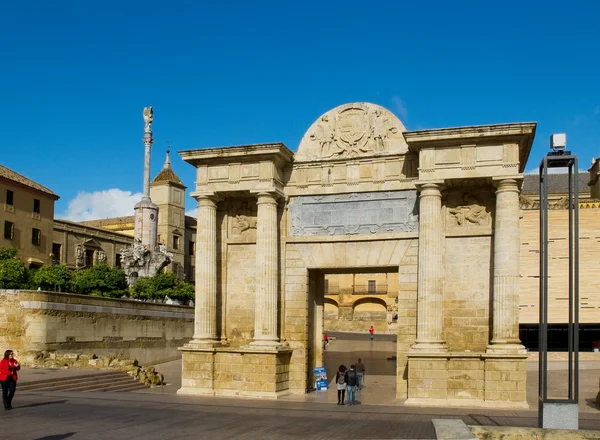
x=205, y=315
x=267, y=276
x=505, y=325
x=429, y=288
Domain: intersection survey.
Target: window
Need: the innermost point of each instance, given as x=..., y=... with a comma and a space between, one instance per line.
x=56, y=248
x=36, y=236
x=89, y=257
x=372, y=286
x=117, y=260
x=9, y=230
x=36, y=206
x=9, y=197
x=191, y=248
x=175, y=242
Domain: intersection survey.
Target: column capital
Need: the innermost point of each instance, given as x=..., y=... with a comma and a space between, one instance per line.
x=510, y=183
x=206, y=199
x=432, y=185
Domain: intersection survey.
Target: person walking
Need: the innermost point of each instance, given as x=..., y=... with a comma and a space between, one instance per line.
x=372, y=333
x=360, y=373
x=340, y=380
x=351, y=378
x=8, y=377
x=325, y=341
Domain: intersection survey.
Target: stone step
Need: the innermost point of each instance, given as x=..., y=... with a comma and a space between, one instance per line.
x=106, y=381
x=80, y=377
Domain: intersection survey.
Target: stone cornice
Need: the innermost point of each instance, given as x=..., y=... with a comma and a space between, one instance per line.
x=522, y=132
x=277, y=152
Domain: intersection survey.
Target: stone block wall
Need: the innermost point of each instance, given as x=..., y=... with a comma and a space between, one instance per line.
x=467, y=293
x=407, y=315
x=32, y=321
x=463, y=379
x=236, y=372
x=241, y=298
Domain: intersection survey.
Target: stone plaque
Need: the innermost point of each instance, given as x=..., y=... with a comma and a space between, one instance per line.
x=357, y=213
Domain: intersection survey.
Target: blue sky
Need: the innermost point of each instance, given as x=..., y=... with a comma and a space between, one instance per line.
x=74, y=77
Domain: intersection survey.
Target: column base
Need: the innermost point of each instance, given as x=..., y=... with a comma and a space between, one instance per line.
x=266, y=345
x=503, y=348
x=428, y=347
x=202, y=343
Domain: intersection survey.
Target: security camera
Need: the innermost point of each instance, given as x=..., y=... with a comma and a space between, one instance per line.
x=558, y=142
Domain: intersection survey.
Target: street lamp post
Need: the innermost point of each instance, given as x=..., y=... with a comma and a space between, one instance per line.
x=559, y=413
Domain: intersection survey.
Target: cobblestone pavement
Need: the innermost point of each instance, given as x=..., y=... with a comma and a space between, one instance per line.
x=61, y=415
x=159, y=413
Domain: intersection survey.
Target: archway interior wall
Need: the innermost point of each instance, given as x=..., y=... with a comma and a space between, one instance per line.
x=301, y=257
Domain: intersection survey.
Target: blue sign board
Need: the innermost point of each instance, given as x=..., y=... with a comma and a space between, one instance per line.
x=321, y=378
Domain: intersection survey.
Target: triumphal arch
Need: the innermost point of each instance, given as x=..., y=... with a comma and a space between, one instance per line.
x=438, y=207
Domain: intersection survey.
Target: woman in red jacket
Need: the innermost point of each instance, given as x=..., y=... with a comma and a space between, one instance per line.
x=8, y=377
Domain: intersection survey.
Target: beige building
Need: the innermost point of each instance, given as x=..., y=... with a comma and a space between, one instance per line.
x=26, y=215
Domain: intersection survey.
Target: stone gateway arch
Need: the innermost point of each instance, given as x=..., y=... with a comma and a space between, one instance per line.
x=438, y=207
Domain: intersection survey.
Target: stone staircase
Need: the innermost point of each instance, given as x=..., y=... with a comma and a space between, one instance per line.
x=115, y=381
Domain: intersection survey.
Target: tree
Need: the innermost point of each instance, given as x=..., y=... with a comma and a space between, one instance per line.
x=56, y=278
x=162, y=285
x=100, y=279
x=7, y=253
x=13, y=273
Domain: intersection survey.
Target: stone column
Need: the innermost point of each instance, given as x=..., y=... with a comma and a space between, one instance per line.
x=267, y=275
x=147, y=144
x=429, y=288
x=505, y=325
x=205, y=319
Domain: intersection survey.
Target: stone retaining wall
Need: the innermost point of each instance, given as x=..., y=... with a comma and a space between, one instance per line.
x=34, y=321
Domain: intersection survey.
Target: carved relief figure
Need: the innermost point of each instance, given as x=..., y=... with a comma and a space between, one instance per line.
x=79, y=256
x=381, y=128
x=244, y=219
x=324, y=135
x=148, y=117
x=471, y=211
x=101, y=257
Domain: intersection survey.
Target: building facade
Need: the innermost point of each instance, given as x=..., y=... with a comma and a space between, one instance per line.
x=26, y=216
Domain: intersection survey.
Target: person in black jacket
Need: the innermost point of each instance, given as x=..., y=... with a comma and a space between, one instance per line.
x=340, y=381
x=351, y=381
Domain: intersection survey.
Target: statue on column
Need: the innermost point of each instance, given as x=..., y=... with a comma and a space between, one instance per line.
x=148, y=118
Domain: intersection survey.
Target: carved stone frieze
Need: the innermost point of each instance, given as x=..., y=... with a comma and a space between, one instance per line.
x=243, y=218
x=531, y=203
x=356, y=213
x=352, y=130
x=469, y=208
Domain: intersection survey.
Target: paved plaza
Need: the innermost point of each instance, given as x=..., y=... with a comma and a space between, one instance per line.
x=161, y=414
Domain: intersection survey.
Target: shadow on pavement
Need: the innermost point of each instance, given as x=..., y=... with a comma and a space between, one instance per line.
x=33, y=405
x=57, y=436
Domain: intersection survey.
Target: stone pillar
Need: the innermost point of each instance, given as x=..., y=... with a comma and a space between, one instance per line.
x=148, y=141
x=505, y=324
x=267, y=275
x=429, y=288
x=205, y=319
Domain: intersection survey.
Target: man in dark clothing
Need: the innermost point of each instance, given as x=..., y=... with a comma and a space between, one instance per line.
x=360, y=372
x=351, y=382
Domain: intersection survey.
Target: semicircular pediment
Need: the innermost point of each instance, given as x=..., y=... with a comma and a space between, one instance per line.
x=353, y=130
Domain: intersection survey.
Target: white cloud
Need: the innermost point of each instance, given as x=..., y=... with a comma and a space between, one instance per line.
x=192, y=212
x=108, y=203
x=400, y=107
